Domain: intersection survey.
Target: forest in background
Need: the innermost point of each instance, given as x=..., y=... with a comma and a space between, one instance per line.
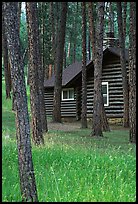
x=41, y=56
x=73, y=36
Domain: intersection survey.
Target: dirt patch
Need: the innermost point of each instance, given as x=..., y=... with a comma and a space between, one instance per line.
x=65, y=126
x=74, y=126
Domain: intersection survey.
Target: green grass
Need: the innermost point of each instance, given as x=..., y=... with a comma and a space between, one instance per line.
x=72, y=166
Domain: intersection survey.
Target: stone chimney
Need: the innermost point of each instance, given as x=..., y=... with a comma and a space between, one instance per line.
x=110, y=40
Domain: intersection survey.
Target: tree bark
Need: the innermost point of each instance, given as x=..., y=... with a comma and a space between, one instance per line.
x=84, y=85
x=132, y=73
x=98, y=56
x=53, y=31
x=124, y=18
x=96, y=36
x=7, y=72
x=40, y=74
x=89, y=47
x=75, y=36
x=91, y=27
x=123, y=66
x=26, y=170
x=34, y=74
x=58, y=10
x=59, y=65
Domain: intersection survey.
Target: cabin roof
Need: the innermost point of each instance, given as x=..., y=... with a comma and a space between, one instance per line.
x=71, y=71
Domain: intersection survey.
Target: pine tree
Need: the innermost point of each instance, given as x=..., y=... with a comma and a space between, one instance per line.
x=84, y=85
x=59, y=65
x=123, y=65
x=26, y=170
x=96, y=35
x=132, y=73
x=37, y=129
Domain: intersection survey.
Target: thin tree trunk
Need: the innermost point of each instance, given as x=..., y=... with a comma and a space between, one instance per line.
x=7, y=72
x=89, y=47
x=91, y=27
x=75, y=36
x=26, y=170
x=69, y=45
x=53, y=31
x=40, y=75
x=132, y=73
x=34, y=74
x=19, y=14
x=123, y=66
x=124, y=18
x=58, y=9
x=59, y=65
x=64, y=60
x=84, y=85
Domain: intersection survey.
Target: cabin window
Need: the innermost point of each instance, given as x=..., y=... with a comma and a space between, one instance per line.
x=105, y=93
x=68, y=94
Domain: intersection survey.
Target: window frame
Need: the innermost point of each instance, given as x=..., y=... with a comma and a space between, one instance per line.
x=67, y=99
x=107, y=95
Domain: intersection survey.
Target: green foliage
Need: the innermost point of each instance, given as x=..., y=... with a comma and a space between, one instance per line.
x=72, y=35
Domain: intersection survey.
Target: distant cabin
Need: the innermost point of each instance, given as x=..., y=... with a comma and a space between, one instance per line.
x=71, y=87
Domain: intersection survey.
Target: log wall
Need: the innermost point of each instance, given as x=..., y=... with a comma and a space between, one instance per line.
x=111, y=73
x=68, y=107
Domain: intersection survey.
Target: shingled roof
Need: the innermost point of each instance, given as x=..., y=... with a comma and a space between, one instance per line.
x=74, y=69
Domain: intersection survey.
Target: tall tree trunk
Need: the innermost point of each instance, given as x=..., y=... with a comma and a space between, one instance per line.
x=18, y=21
x=19, y=14
x=89, y=47
x=91, y=27
x=59, y=65
x=97, y=108
x=26, y=170
x=123, y=65
x=53, y=31
x=64, y=60
x=34, y=74
x=84, y=85
x=124, y=18
x=75, y=36
x=97, y=53
x=7, y=72
x=132, y=73
x=69, y=47
x=58, y=10
x=40, y=75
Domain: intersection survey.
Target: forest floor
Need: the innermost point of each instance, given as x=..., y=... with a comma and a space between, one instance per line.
x=76, y=125
x=64, y=126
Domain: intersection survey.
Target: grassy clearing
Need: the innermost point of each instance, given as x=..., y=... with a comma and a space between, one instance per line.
x=72, y=166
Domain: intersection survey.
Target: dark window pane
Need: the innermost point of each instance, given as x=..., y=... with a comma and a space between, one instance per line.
x=105, y=99
x=65, y=95
x=104, y=89
x=71, y=94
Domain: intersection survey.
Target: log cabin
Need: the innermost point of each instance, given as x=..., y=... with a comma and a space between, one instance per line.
x=112, y=89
